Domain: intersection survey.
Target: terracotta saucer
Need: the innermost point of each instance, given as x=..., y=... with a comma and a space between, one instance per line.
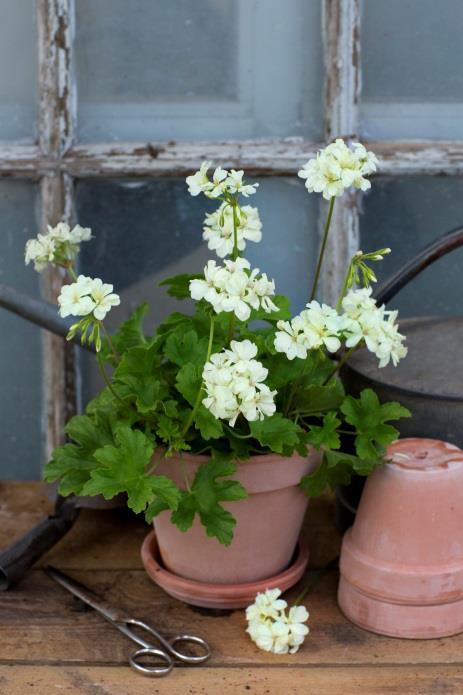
x=218, y=595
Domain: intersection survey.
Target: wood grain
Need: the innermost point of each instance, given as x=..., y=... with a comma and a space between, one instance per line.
x=79, y=680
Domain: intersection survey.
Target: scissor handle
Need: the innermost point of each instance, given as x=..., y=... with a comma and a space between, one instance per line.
x=169, y=645
x=153, y=671
x=189, y=658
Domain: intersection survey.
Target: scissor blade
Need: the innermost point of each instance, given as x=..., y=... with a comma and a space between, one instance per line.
x=114, y=615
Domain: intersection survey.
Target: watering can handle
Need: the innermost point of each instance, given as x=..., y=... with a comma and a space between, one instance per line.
x=436, y=249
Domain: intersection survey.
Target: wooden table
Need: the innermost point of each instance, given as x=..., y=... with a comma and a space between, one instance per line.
x=50, y=643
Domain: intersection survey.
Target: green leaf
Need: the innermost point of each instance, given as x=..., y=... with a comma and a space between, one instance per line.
x=207, y=491
x=189, y=380
x=329, y=473
x=73, y=463
x=326, y=436
x=318, y=399
x=184, y=347
x=129, y=334
x=369, y=418
x=179, y=285
x=122, y=469
x=207, y=424
x=276, y=432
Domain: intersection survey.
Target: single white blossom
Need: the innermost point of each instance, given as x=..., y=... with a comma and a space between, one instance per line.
x=271, y=628
x=199, y=182
x=234, y=287
x=233, y=381
x=218, y=183
x=74, y=299
x=235, y=184
x=103, y=297
x=218, y=229
x=338, y=167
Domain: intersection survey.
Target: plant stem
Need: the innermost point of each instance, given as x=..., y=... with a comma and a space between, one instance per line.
x=198, y=395
x=71, y=272
x=235, y=252
x=110, y=341
x=345, y=285
x=341, y=362
x=106, y=378
x=322, y=249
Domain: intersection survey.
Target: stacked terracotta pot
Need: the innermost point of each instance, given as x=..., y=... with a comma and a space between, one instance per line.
x=402, y=561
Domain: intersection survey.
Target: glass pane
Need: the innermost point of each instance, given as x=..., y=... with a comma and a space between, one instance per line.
x=406, y=214
x=145, y=231
x=18, y=71
x=203, y=70
x=411, y=85
x=20, y=348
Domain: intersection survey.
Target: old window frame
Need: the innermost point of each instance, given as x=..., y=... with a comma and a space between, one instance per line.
x=56, y=160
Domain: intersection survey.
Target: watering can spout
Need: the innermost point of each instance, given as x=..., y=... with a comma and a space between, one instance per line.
x=36, y=311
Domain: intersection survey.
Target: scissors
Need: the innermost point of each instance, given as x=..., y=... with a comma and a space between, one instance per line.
x=169, y=651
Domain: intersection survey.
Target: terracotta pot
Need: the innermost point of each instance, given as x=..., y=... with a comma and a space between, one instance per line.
x=267, y=529
x=402, y=561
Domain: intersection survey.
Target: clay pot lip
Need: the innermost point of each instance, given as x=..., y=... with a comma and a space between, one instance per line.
x=171, y=582
x=452, y=451
x=254, y=459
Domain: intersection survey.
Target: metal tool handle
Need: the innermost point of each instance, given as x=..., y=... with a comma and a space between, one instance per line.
x=432, y=252
x=169, y=645
x=19, y=557
x=147, y=670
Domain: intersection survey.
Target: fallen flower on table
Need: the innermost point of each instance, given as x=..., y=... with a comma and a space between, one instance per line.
x=271, y=628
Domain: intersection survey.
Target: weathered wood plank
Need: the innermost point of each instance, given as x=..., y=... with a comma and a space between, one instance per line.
x=262, y=157
x=342, y=93
x=40, y=622
x=78, y=680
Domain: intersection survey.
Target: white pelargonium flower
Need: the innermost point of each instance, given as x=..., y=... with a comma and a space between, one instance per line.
x=374, y=325
x=233, y=381
x=103, y=297
x=235, y=184
x=338, y=167
x=362, y=322
x=87, y=296
x=234, y=287
x=218, y=229
x=317, y=326
x=271, y=628
x=223, y=183
x=75, y=299
x=60, y=245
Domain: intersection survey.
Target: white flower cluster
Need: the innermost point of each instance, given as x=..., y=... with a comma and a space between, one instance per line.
x=61, y=244
x=234, y=287
x=218, y=229
x=317, y=326
x=377, y=327
x=338, y=167
x=86, y=296
x=362, y=320
x=222, y=182
x=233, y=380
x=271, y=628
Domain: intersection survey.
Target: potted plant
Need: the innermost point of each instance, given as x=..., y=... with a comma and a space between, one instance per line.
x=221, y=424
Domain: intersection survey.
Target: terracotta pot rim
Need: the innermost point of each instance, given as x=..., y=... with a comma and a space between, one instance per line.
x=151, y=562
x=254, y=459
